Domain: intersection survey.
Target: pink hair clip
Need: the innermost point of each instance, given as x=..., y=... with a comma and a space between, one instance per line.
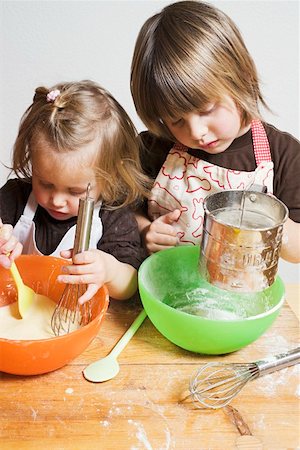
x=52, y=95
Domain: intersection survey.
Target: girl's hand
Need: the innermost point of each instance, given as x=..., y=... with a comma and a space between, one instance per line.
x=96, y=268
x=10, y=247
x=161, y=234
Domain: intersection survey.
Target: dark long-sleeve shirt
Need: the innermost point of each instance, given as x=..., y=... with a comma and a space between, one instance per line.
x=120, y=232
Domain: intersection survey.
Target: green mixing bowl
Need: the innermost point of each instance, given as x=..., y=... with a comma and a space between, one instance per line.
x=165, y=276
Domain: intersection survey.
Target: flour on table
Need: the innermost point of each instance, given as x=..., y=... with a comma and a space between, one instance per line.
x=36, y=325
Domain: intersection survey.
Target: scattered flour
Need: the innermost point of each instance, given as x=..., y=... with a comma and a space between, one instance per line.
x=270, y=383
x=69, y=391
x=139, y=437
x=278, y=343
x=140, y=434
x=34, y=413
x=260, y=422
x=104, y=423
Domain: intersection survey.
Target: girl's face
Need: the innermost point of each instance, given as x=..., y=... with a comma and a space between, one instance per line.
x=59, y=180
x=212, y=130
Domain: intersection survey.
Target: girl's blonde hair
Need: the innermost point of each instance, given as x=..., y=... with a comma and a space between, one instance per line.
x=187, y=56
x=71, y=115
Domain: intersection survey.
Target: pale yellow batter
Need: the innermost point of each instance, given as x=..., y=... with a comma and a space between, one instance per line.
x=36, y=324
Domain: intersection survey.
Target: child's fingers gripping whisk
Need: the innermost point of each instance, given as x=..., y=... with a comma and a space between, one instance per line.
x=68, y=310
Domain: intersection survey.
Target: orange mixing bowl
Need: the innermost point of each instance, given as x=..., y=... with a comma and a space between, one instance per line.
x=32, y=357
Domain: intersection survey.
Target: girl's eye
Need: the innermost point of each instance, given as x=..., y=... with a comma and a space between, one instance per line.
x=209, y=110
x=77, y=193
x=45, y=185
x=177, y=123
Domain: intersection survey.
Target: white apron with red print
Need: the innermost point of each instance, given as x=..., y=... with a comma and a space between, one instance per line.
x=184, y=181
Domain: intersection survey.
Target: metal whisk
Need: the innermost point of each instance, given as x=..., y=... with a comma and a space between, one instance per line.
x=216, y=384
x=68, y=310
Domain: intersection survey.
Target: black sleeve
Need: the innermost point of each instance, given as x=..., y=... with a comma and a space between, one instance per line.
x=121, y=237
x=13, y=197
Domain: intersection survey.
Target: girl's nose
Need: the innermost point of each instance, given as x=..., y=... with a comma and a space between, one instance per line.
x=197, y=127
x=58, y=199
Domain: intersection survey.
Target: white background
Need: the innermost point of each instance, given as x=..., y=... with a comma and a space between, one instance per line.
x=44, y=42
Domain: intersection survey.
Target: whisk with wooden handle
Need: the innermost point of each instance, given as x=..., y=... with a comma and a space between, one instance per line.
x=216, y=384
x=68, y=310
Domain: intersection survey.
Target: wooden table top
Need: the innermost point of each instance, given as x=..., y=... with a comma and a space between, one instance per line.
x=142, y=407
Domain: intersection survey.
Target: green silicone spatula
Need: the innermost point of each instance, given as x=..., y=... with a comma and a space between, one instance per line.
x=107, y=368
x=25, y=293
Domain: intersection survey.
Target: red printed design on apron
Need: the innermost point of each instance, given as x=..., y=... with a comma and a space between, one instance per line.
x=184, y=181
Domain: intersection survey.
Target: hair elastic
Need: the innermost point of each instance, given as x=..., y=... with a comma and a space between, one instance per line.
x=52, y=95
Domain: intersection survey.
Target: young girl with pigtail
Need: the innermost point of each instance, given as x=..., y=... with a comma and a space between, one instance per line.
x=73, y=135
